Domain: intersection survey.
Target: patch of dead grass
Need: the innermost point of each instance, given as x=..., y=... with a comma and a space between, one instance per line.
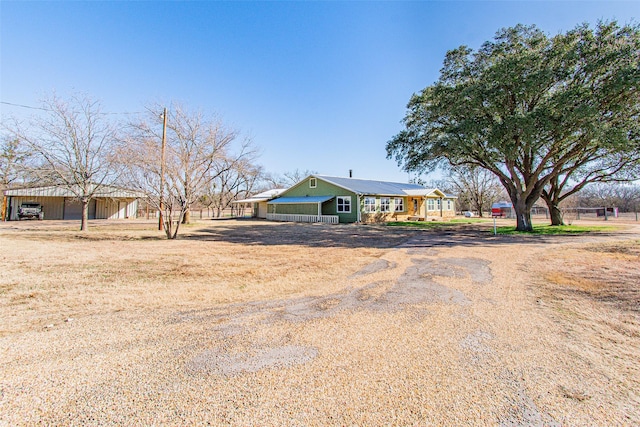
x=47, y=275
x=608, y=273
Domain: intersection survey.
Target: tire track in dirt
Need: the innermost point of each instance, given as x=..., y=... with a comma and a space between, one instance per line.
x=402, y=286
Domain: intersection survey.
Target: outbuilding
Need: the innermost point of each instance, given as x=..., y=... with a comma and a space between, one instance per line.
x=502, y=209
x=59, y=202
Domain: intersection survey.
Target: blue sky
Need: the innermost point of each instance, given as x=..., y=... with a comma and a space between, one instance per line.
x=317, y=85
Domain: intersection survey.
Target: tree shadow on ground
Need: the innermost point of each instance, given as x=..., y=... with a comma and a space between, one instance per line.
x=369, y=236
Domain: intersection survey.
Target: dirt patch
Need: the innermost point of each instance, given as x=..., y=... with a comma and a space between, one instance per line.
x=225, y=363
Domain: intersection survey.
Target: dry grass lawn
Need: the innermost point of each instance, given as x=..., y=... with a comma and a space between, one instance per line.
x=257, y=323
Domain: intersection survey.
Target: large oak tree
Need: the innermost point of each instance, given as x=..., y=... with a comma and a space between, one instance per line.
x=537, y=111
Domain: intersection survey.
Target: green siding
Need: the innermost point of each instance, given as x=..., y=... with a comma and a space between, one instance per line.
x=301, y=209
x=323, y=188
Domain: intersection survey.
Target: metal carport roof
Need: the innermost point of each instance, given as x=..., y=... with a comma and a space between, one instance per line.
x=300, y=200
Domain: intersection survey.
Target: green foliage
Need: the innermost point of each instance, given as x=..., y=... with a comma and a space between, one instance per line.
x=530, y=108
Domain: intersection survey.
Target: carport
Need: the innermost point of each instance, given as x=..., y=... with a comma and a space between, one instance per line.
x=59, y=202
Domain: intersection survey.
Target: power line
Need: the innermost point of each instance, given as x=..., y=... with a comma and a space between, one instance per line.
x=23, y=106
x=47, y=109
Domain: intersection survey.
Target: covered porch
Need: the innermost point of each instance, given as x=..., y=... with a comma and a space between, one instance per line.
x=300, y=209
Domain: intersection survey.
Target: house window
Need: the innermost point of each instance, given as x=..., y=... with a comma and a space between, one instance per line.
x=448, y=205
x=438, y=203
x=385, y=204
x=313, y=183
x=415, y=206
x=431, y=205
x=398, y=204
x=369, y=204
x=344, y=204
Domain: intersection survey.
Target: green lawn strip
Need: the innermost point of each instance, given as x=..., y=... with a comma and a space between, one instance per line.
x=433, y=224
x=546, y=229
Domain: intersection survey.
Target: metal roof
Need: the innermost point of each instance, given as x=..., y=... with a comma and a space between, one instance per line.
x=502, y=204
x=300, y=200
x=262, y=197
x=63, y=191
x=383, y=188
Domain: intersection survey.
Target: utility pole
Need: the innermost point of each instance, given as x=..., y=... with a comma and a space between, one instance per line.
x=162, y=162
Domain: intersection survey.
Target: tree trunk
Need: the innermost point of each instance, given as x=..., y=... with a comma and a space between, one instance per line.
x=554, y=211
x=168, y=227
x=180, y=220
x=551, y=197
x=523, y=215
x=186, y=218
x=84, y=223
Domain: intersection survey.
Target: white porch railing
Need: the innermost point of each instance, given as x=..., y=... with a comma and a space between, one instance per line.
x=329, y=219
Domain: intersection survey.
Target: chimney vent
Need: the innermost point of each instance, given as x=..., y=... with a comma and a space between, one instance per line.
x=350, y=173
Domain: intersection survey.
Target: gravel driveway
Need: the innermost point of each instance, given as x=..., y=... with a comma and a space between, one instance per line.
x=446, y=329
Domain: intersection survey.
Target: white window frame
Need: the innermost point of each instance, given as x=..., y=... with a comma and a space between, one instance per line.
x=398, y=204
x=438, y=203
x=369, y=207
x=431, y=205
x=448, y=205
x=385, y=204
x=313, y=182
x=342, y=202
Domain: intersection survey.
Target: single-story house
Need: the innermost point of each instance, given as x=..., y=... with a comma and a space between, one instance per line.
x=59, y=202
x=320, y=198
x=259, y=201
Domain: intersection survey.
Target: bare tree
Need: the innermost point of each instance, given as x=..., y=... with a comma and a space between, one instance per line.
x=286, y=180
x=235, y=178
x=73, y=144
x=476, y=188
x=624, y=196
x=13, y=162
x=196, y=150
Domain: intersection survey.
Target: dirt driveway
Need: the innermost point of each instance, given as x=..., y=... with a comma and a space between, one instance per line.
x=401, y=327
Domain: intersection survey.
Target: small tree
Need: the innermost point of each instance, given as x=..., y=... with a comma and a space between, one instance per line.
x=197, y=148
x=72, y=145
